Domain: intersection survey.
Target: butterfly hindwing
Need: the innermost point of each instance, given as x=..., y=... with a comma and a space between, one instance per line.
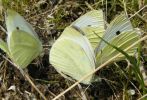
x=123, y=41
x=4, y=47
x=23, y=48
x=72, y=55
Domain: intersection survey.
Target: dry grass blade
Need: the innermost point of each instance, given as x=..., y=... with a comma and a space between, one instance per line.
x=101, y=66
x=138, y=11
x=82, y=92
x=128, y=79
x=143, y=97
x=28, y=78
x=3, y=29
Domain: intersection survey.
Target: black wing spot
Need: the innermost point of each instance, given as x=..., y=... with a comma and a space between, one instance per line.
x=118, y=32
x=17, y=28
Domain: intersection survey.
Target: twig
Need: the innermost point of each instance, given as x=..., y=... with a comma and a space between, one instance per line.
x=89, y=6
x=27, y=77
x=138, y=12
x=3, y=29
x=143, y=70
x=125, y=8
x=33, y=85
x=142, y=98
x=82, y=92
x=128, y=78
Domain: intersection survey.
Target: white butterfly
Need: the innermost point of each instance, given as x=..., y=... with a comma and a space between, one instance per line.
x=23, y=44
x=78, y=51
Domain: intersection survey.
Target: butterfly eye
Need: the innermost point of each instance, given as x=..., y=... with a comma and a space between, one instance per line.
x=17, y=28
x=118, y=32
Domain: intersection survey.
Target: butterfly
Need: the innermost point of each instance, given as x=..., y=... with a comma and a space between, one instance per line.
x=79, y=51
x=23, y=44
x=121, y=34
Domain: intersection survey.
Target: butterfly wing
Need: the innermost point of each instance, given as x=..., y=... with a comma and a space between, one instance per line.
x=4, y=46
x=120, y=24
x=72, y=55
x=121, y=34
x=122, y=41
x=89, y=23
x=23, y=48
x=14, y=20
x=23, y=42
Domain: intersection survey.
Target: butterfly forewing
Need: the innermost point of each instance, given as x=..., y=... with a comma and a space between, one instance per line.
x=119, y=25
x=89, y=23
x=14, y=20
